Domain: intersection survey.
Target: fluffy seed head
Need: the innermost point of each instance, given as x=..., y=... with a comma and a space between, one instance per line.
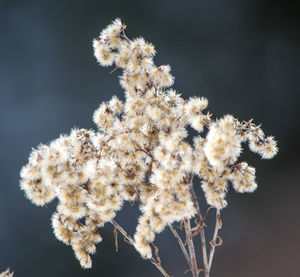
x=140, y=153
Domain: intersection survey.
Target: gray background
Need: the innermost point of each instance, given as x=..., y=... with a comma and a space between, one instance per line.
x=242, y=55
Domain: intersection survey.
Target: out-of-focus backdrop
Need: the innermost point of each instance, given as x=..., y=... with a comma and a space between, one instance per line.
x=243, y=56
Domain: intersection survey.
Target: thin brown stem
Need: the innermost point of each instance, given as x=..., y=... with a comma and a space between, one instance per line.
x=190, y=242
x=214, y=243
x=112, y=71
x=148, y=154
x=185, y=253
x=159, y=267
x=202, y=233
x=130, y=240
x=123, y=35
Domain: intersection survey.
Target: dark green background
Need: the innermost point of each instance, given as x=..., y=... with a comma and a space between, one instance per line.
x=242, y=55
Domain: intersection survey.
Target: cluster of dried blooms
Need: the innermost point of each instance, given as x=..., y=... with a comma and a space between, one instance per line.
x=140, y=153
x=7, y=273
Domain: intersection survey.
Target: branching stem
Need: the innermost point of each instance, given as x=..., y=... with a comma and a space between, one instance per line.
x=190, y=242
x=179, y=240
x=214, y=240
x=202, y=232
x=130, y=240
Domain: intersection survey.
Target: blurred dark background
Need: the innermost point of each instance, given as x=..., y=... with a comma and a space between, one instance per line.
x=242, y=55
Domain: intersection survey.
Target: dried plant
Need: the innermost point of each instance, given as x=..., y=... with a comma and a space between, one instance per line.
x=141, y=154
x=7, y=273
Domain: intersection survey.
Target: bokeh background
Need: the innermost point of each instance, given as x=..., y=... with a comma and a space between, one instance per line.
x=243, y=56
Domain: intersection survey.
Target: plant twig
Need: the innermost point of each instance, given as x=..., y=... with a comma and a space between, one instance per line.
x=115, y=232
x=189, y=239
x=130, y=240
x=214, y=243
x=186, y=255
x=112, y=71
x=123, y=35
x=156, y=251
x=202, y=233
x=159, y=267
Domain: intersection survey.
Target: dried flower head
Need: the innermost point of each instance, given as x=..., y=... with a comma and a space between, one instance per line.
x=7, y=273
x=140, y=154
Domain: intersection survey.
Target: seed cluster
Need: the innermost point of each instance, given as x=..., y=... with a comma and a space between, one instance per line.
x=140, y=154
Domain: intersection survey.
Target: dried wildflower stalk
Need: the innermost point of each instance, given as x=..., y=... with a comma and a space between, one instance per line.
x=140, y=154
